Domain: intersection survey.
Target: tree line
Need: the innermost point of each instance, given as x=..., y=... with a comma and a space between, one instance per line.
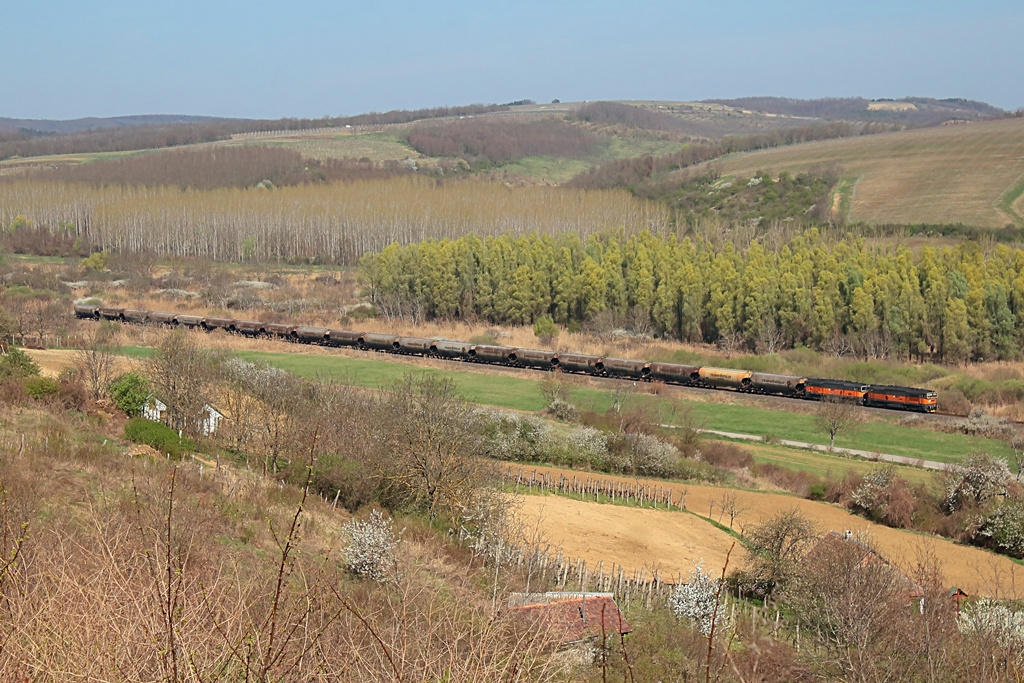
x=844, y=296
x=498, y=142
x=616, y=113
x=208, y=168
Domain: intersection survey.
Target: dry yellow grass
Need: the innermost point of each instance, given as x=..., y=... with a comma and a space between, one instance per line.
x=672, y=541
x=51, y=361
x=947, y=174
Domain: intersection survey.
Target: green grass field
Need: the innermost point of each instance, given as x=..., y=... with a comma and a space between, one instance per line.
x=827, y=466
x=969, y=173
x=1011, y=201
x=515, y=392
x=69, y=159
x=559, y=169
x=374, y=147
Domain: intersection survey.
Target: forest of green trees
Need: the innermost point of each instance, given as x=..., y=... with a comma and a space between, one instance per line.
x=951, y=304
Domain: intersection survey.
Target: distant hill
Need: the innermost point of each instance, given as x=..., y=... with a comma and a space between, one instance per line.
x=26, y=138
x=907, y=110
x=94, y=123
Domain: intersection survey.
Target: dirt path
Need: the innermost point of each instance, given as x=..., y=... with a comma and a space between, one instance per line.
x=899, y=459
x=52, y=361
x=672, y=540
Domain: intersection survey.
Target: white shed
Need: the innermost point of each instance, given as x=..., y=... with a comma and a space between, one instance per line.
x=156, y=410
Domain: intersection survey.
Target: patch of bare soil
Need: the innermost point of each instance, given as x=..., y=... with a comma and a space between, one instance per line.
x=673, y=540
x=52, y=361
x=631, y=537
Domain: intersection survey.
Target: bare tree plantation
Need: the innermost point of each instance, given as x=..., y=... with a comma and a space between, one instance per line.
x=223, y=166
x=326, y=223
x=496, y=142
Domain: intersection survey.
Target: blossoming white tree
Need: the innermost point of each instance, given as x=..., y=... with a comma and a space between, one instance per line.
x=698, y=600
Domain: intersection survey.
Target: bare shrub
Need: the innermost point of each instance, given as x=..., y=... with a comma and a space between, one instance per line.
x=836, y=416
x=726, y=455
x=180, y=373
x=801, y=483
x=775, y=548
x=428, y=440
x=97, y=361
x=885, y=497
x=846, y=599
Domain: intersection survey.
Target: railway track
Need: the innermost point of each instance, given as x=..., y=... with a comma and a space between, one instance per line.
x=701, y=377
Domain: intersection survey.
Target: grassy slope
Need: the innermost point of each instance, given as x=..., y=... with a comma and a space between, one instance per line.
x=68, y=159
x=560, y=170
x=947, y=174
x=376, y=147
x=827, y=466
x=524, y=393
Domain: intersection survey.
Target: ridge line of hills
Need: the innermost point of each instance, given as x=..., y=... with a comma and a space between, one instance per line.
x=830, y=108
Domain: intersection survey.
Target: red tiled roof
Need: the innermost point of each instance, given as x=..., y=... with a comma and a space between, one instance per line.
x=579, y=618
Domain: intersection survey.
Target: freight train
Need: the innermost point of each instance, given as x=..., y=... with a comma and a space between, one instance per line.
x=790, y=386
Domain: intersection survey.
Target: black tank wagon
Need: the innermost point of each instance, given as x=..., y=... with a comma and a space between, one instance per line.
x=790, y=386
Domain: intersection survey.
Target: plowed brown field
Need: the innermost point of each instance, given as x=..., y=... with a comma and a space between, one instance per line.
x=671, y=540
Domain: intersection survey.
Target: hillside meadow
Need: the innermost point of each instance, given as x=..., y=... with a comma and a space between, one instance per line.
x=972, y=173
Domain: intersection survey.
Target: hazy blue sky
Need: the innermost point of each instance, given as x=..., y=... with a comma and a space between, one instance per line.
x=68, y=59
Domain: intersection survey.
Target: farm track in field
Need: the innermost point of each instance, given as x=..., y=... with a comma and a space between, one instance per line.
x=943, y=175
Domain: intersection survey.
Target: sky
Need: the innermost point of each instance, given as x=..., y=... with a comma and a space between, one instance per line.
x=65, y=59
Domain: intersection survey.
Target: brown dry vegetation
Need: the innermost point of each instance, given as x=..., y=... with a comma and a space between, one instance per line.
x=117, y=578
x=119, y=565
x=209, y=167
x=497, y=142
